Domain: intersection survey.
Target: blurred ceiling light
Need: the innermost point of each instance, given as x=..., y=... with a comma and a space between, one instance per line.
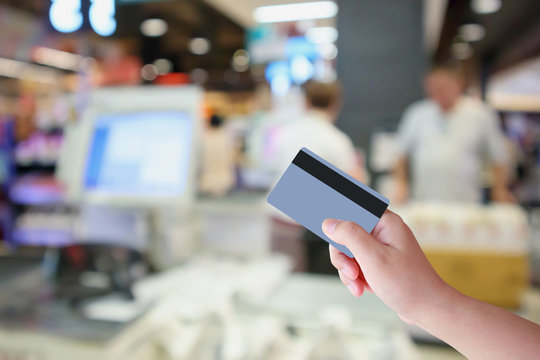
x=101, y=16
x=154, y=27
x=57, y=58
x=328, y=51
x=20, y=70
x=301, y=69
x=294, y=12
x=280, y=84
x=163, y=66
x=199, y=46
x=240, y=60
x=11, y=68
x=322, y=35
x=149, y=72
x=199, y=76
x=486, y=6
x=472, y=32
x=462, y=50
x=66, y=16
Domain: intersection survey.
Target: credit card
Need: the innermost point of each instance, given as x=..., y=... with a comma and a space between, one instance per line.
x=312, y=190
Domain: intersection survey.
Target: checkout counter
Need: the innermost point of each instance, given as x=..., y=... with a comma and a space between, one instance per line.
x=219, y=304
x=223, y=301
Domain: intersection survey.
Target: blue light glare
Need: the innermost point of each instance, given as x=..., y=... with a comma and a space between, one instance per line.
x=277, y=73
x=280, y=85
x=276, y=68
x=102, y=17
x=66, y=15
x=301, y=69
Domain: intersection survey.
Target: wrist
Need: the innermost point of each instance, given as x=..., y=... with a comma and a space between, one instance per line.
x=439, y=305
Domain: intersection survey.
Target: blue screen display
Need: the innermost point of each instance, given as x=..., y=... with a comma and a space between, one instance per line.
x=144, y=153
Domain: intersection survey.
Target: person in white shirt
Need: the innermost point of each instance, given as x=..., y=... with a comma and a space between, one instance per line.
x=447, y=141
x=218, y=159
x=316, y=131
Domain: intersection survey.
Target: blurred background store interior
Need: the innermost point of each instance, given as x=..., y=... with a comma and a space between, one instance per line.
x=140, y=138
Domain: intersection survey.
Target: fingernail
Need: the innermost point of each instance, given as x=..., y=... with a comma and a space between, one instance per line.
x=352, y=288
x=330, y=225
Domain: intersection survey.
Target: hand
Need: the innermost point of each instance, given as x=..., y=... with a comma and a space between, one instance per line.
x=388, y=262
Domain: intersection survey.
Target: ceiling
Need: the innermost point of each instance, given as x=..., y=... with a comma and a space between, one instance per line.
x=186, y=19
x=241, y=11
x=512, y=33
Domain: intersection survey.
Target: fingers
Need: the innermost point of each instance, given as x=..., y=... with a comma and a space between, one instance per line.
x=393, y=231
x=351, y=235
x=349, y=272
x=347, y=266
x=356, y=287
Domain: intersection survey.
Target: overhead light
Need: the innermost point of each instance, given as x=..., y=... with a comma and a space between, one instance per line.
x=472, y=32
x=486, y=6
x=149, y=72
x=154, y=27
x=462, y=50
x=57, y=58
x=294, y=12
x=102, y=17
x=11, y=68
x=163, y=66
x=280, y=85
x=65, y=16
x=240, y=60
x=328, y=51
x=199, y=46
x=20, y=70
x=322, y=35
x=301, y=69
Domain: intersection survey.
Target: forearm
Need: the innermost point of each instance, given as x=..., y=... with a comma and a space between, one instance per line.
x=500, y=192
x=479, y=330
x=500, y=177
x=400, y=171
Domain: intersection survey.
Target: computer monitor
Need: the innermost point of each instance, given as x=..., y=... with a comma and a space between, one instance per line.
x=134, y=147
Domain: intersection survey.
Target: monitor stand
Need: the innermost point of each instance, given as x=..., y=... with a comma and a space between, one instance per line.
x=172, y=235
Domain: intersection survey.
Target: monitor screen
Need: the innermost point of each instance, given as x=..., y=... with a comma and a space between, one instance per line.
x=142, y=154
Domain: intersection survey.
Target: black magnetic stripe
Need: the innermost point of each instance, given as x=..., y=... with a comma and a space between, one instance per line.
x=340, y=183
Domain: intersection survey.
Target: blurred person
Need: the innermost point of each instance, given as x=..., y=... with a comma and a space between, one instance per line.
x=390, y=263
x=316, y=131
x=447, y=141
x=218, y=159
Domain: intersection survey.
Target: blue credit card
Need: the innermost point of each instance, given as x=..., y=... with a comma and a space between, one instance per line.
x=312, y=190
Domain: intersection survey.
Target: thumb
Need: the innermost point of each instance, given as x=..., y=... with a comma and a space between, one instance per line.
x=353, y=236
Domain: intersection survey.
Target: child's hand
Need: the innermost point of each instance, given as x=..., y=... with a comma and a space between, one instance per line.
x=391, y=264
x=388, y=262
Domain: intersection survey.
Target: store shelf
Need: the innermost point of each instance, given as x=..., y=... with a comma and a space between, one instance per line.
x=42, y=237
x=36, y=190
